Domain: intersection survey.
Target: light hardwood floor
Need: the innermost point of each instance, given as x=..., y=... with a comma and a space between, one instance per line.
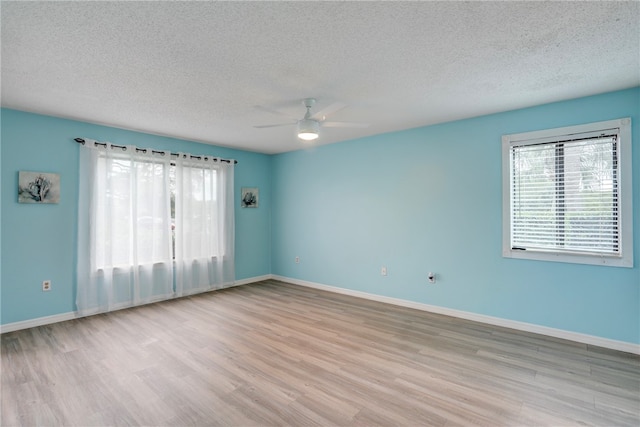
x=272, y=353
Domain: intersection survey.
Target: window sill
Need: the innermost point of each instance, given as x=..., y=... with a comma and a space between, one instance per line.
x=567, y=257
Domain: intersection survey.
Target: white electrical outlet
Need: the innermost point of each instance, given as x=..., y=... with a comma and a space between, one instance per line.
x=432, y=277
x=383, y=271
x=46, y=285
x=297, y=260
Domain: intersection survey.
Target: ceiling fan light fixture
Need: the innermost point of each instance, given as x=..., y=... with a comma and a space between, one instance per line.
x=308, y=129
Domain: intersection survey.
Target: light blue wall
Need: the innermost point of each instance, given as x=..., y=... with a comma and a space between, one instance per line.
x=421, y=200
x=38, y=241
x=430, y=199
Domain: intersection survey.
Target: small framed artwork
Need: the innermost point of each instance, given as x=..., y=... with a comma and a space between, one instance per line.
x=38, y=187
x=250, y=197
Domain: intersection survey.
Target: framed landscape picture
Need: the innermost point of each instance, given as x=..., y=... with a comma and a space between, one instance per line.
x=38, y=187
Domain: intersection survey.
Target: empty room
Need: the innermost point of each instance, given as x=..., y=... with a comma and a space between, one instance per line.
x=320, y=213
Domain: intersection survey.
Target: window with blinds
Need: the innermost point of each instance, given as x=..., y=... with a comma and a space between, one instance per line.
x=564, y=197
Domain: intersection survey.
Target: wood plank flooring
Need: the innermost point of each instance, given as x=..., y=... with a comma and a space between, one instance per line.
x=272, y=353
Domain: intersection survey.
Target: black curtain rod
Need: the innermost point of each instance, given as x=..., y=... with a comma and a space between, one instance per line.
x=144, y=150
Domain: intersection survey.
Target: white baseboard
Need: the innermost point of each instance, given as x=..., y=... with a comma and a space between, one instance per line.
x=252, y=280
x=481, y=318
x=47, y=320
x=40, y=321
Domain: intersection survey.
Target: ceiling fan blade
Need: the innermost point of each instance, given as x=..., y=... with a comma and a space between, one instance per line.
x=272, y=111
x=273, y=126
x=322, y=114
x=344, y=125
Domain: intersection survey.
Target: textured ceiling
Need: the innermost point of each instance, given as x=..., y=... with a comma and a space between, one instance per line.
x=197, y=70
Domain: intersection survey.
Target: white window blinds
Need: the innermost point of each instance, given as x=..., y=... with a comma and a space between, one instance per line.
x=565, y=195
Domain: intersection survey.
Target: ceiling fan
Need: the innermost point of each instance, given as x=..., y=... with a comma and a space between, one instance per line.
x=309, y=126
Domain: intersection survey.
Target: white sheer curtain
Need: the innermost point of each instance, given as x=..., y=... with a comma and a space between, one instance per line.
x=124, y=228
x=204, y=224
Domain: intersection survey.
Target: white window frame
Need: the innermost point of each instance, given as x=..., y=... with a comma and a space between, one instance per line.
x=625, y=193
